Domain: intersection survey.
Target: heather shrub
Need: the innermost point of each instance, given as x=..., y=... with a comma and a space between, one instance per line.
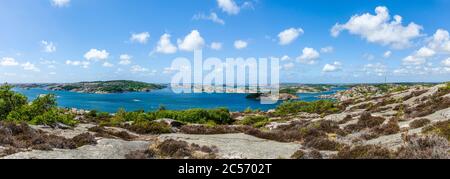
x=426, y=147
x=419, y=123
x=347, y=118
x=180, y=149
x=441, y=129
x=321, y=143
x=366, y=120
x=369, y=121
x=84, y=139
x=391, y=127
x=299, y=154
x=364, y=152
x=141, y=154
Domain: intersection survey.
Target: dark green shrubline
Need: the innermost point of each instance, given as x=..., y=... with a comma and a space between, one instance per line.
x=42, y=111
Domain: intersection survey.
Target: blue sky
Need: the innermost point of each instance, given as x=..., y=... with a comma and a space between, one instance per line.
x=85, y=40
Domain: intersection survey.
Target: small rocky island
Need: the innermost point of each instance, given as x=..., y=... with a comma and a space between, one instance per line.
x=106, y=87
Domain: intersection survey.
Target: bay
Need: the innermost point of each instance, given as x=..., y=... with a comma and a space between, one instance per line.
x=150, y=101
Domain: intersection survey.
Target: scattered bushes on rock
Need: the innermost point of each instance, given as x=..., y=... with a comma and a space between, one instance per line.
x=23, y=136
x=102, y=132
x=381, y=106
x=280, y=136
x=321, y=143
x=441, y=129
x=369, y=121
x=363, y=106
x=141, y=154
x=313, y=154
x=414, y=94
x=84, y=139
x=426, y=147
x=364, y=152
x=365, y=121
x=347, y=118
x=419, y=123
x=390, y=128
x=180, y=149
x=434, y=104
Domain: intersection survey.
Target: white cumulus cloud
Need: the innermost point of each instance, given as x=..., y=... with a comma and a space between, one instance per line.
x=240, y=44
x=60, y=3
x=387, y=54
x=8, y=61
x=125, y=59
x=140, y=37
x=289, y=35
x=229, y=6
x=285, y=58
x=446, y=62
x=165, y=45
x=30, y=67
x=95, y=54
x=288, y=66
x=328, y=49
x=138, y=69
x=309, y=56
x=420, y=57
x=192, y=41
x=48, y=47
x=107, y=64
x=380, y=29
x=84, y=64
x=336, y=66
x=211, y=17
x=375, y=69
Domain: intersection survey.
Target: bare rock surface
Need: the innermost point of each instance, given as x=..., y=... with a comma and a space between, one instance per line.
x=392, y=141
x=240, y=145
x=105, y=149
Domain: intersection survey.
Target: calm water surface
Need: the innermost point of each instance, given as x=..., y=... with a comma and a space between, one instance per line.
x=150, y=101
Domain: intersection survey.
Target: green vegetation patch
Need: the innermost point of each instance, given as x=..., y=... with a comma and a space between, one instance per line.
x=255, y=121
x=441, y=129
x=318, y=107
x=42, y=111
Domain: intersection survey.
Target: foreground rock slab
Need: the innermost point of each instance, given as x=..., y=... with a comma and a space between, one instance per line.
x=239, y=146
x=105, y=149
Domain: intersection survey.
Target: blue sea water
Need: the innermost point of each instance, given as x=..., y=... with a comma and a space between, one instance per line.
x=151, y=101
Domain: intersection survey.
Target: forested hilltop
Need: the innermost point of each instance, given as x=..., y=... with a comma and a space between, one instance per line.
x=117, y=86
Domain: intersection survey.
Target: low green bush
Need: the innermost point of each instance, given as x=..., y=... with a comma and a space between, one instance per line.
x=257, y=121
x=319, y=107
x=199, y=116
x=52, y=117
x=149, y=127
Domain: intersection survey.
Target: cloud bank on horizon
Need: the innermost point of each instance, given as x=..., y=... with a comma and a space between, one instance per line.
x=80, y=40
